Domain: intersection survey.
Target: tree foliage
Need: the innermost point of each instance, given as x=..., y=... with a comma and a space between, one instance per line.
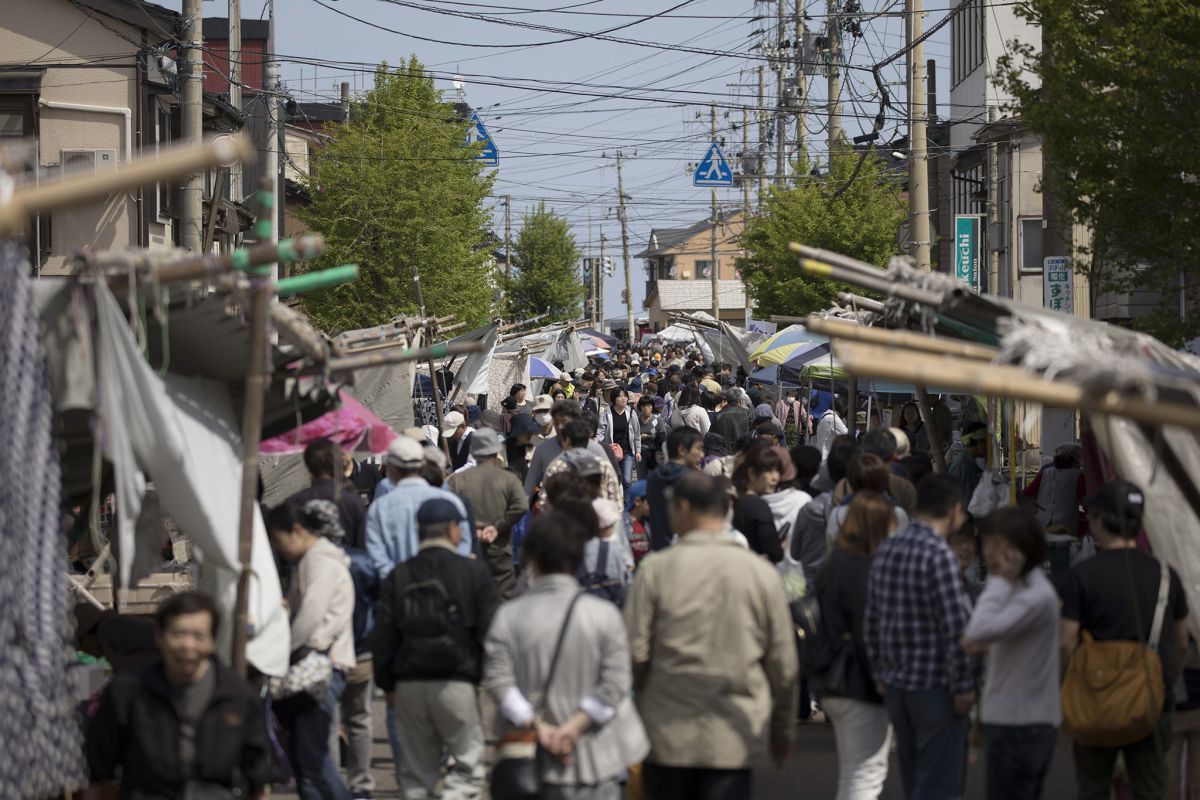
x=862, y=223
x=1112, y=90
x=545, y=277
x=395, y=189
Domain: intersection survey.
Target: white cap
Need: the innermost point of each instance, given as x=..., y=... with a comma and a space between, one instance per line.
x=607, y=512
x=404, y=453
x=450, y=423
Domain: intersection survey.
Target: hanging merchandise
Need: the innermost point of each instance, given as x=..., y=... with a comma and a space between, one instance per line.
x=39, y=733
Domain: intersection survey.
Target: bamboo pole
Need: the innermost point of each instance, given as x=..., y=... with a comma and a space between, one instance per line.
x=71, y=190
x=876, y=283
x=836, y=259
x=295, y=330
x=433, y=381
x=904, y=340
x=397, y=356
x=1007, y=381
x=262, y=287
x=858, y=301
x=244, y=258
x=935, y=439
x=512, y=326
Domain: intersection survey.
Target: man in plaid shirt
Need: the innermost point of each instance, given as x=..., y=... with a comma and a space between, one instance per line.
x=917, y=608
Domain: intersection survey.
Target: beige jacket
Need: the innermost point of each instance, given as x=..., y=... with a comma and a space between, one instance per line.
x=714, y=653
x=322, y=604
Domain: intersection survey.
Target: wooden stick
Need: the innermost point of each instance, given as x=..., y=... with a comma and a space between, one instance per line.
x=399, y=356
x=858, y=301
x=295, y=330
x=256, y=255
x=512, y=326
x=73, y=190
x=904, y=340
x=458, y=326
x=925, y=407
x=876, y=283
x=1006, y=381
x=837, y=259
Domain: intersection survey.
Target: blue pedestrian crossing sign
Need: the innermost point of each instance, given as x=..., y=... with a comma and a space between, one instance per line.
x=490, y=155
x=713, y=169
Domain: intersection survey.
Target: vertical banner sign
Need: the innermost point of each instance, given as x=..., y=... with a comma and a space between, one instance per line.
x=966, y=248
x=1058, y=287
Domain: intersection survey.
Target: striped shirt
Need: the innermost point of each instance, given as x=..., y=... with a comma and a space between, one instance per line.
x=917, y=609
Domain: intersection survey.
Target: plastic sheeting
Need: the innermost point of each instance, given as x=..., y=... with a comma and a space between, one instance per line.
x=387, y=391
x=352, y=426
x=182, y=434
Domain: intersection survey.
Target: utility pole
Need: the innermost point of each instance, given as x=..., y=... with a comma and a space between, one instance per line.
x=834, y=76
x=993, y=209
x=271, y=167
x=508, y=235
x=780, y=104
x=801, y=84
x=235, y=87
x=345, y=102
x=592, y=273
x=920, y=238
x=625, y=250
x=762, y=134
x=746, y=195
x=600, y=284
x=193, y=127
x=714, y=270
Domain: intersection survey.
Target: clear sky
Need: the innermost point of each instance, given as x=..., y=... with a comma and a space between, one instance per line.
x=559, y=110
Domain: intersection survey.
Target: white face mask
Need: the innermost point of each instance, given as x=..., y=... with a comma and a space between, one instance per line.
x=542, y=419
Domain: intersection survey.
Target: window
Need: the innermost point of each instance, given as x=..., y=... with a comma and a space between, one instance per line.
x=164, y=192
x=1031, y=244
x=703, y=270
x=966, y=41
x=19, y=120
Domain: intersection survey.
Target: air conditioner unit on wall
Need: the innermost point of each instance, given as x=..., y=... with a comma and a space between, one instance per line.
x=79, y=161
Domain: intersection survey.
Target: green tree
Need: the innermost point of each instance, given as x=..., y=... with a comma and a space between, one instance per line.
x=398, y=187
x=1111, y=88
x=545, y=277
x=860, y=222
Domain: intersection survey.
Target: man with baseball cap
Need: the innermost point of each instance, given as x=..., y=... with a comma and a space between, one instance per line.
x=458, y=439
x=433, y=614
x=497, y=501
x=392, y=519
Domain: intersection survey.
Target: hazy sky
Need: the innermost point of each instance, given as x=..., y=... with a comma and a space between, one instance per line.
x=556, y=137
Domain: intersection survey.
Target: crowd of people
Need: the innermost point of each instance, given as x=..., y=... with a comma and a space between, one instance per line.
x=539, y=575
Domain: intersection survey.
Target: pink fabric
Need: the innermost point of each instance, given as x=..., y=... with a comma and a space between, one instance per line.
x=352, y=426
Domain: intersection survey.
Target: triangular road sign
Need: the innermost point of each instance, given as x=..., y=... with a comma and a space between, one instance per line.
x=478, y=133
x=713, y=170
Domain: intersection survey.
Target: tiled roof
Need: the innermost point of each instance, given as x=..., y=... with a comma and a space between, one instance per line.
x=676, y=295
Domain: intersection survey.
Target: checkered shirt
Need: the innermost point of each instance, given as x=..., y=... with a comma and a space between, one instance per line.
x=917, y=608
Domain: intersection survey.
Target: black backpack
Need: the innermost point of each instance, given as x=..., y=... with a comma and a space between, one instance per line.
x=824, y=659
x=599, y=583
x=431, y=629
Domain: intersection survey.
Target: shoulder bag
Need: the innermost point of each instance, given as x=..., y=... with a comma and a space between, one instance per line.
x=1112, y=694
x=518, y=771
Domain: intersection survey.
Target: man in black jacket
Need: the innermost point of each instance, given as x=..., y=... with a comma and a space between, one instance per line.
x=183, y=724
x=685, y=447
x=434, y=612
x=323, y=460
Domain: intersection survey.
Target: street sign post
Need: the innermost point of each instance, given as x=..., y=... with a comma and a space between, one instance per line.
x=1058, y=284
x=490, y=154
x=967, y=228
x=713, y=169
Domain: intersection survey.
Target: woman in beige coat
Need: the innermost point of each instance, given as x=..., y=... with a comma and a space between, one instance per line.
x=583, y=713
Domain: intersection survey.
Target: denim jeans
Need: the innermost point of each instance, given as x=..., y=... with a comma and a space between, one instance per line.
x=627, y=469
x=1018, y=758
x=317, y=777
x=931, y=742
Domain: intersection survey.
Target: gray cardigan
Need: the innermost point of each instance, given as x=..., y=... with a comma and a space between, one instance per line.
x=593, y=675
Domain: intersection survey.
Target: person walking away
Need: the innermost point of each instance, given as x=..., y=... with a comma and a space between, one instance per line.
x=557, y=667
x=733, y=421
x=756, y=475
x=793, y=418
x=941, y=419
x=1059, y=489
x=1115, y=596
x=967, y=467
x=688, y=412
x=321, y=604
x=785, y=504
x=392, y=535
x=324, y=461
x=354, y=706
x=497, y=501
x=831, y=425
x=653, y=434
x=685, y=449
x=916, y=612
x=185, y=723
x=434, y=612
x=1183, y=771
x=866, y=471
x=883, y=443
x=620, y=427
x=607, y=558
x=517, y=449
x=715, y=684
x=1015, y=622
x=850, y=698
x=810, y=543
x=637, y=521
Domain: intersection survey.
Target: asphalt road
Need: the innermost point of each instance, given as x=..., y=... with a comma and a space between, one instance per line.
x=809, y=774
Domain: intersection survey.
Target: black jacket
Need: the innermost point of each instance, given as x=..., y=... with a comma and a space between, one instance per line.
x=469, y=584
x=656, y=484
x=732, y=422
x=842, y=592
x=135, y=732
x=351, y=508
